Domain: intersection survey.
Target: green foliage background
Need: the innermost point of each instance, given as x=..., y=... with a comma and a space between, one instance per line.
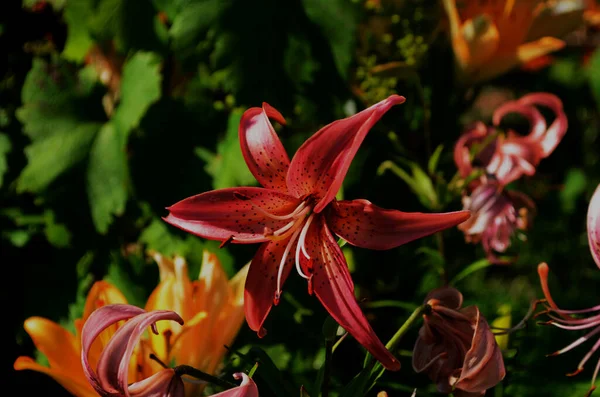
x=86, y=169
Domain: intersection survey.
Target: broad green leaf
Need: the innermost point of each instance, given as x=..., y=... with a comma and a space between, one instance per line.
x=140, y=88
x=51, y=156
x=107, y=178
x=57, y=233
x=503, y=321
x=5, y=147
x=77, y=15
x=195, y=20
x=434, y=160
x=228, y=167
x=338, y=20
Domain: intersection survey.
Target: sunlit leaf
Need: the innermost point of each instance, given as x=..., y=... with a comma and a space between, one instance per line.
x=5, y=147
x=574, y=186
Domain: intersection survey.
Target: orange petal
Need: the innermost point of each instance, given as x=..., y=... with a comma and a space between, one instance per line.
x=76, y=385
x=60, y=346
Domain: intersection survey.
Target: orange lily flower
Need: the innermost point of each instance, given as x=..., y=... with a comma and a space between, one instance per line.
x=63, y=349
x=491, y=37
x=212, y=308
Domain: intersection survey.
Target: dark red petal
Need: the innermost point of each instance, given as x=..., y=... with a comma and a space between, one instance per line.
x=593, y=226
x=365, y=225
x=221, y=214
x=333, y=286
x=264, y=154
x=447, y=296
x=321, y=163
x=261, y=282
x=462, y=149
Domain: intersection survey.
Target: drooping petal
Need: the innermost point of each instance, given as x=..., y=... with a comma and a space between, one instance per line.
x=593, y=226
x=556, y=131
x=332, y=284
x=447, y=296
x=164, y=383
x=241, y=212
x=56, y=343
x=98, y=321
x=74, y=384
x=483, y=366
x=261, y=283
x=366, y=225
x=246, y=389
x=264, y=154
x=321, y=163
x=113, y=365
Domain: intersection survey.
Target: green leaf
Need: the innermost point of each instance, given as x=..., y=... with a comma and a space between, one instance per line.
x=338, y=20
x=18, y=237
x=50, y=157
x=434, y=160
x=574, y=186
x=228, y=167
x=5, y=147
x=473, y=267
x=594, y=75
x=57, y=233
x=77, y=15
x=124, y=280
x=193, y=21
x=107, y=178
x=140, y=88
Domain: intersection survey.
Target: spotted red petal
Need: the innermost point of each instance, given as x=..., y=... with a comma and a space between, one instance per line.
x=321, y=163
x=261, y=282
x=264, y=154
x=593, y=226
x=241, y=212
x=366, y=225
x=332, y=284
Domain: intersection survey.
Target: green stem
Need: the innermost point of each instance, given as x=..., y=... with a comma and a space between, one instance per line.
x=327, y=372
x=196, y=373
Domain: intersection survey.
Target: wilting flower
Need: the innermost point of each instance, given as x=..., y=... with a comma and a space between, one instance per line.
x=496, y=216
x=294, y=214
x=110, y=378
x=509, y=157
x=212, y=308
x=456, y=347
x=565, y=319
x=491, y=37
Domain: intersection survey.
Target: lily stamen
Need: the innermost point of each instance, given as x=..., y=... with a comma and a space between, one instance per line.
x=301, y=246
x=282, y=263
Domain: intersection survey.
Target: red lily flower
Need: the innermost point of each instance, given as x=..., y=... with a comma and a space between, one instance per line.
x=456, y=347
x=564, y=318
x=497, y=215
x=294, y=214
x=508, y=158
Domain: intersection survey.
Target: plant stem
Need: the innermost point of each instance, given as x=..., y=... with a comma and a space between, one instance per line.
x=327, y=372
x=196, y=373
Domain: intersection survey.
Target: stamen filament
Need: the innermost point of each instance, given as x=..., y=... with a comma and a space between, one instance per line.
x=577, y=342
x=282, y=262
x=300, y=245
x=589, y=354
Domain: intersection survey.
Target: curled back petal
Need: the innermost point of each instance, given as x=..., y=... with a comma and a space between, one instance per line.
x=462, y=155
x=246, y=389
x=332, y=284
x=556, y=131
x=366, y=225
x=72, y=382
x=113, y=365
x=593, y=226
x=321, y=163
x=261, y=282
x=447, y=296
x=535, y=118
x=242, y=212
x=264, y=154
x=98, y=321
x=164, y=383
x=483, y=366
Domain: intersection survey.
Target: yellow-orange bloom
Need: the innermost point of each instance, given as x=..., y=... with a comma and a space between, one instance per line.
x=212, y=308
x=491, y=37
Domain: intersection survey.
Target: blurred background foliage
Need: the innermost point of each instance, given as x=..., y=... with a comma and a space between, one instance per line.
x=111, y=110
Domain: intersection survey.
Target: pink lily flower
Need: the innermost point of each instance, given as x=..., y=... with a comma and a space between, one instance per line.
x=496, y=216
x=508, y=158
x=295, y=216
x=564, y=318
x=110, y=379
x=456, y=347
